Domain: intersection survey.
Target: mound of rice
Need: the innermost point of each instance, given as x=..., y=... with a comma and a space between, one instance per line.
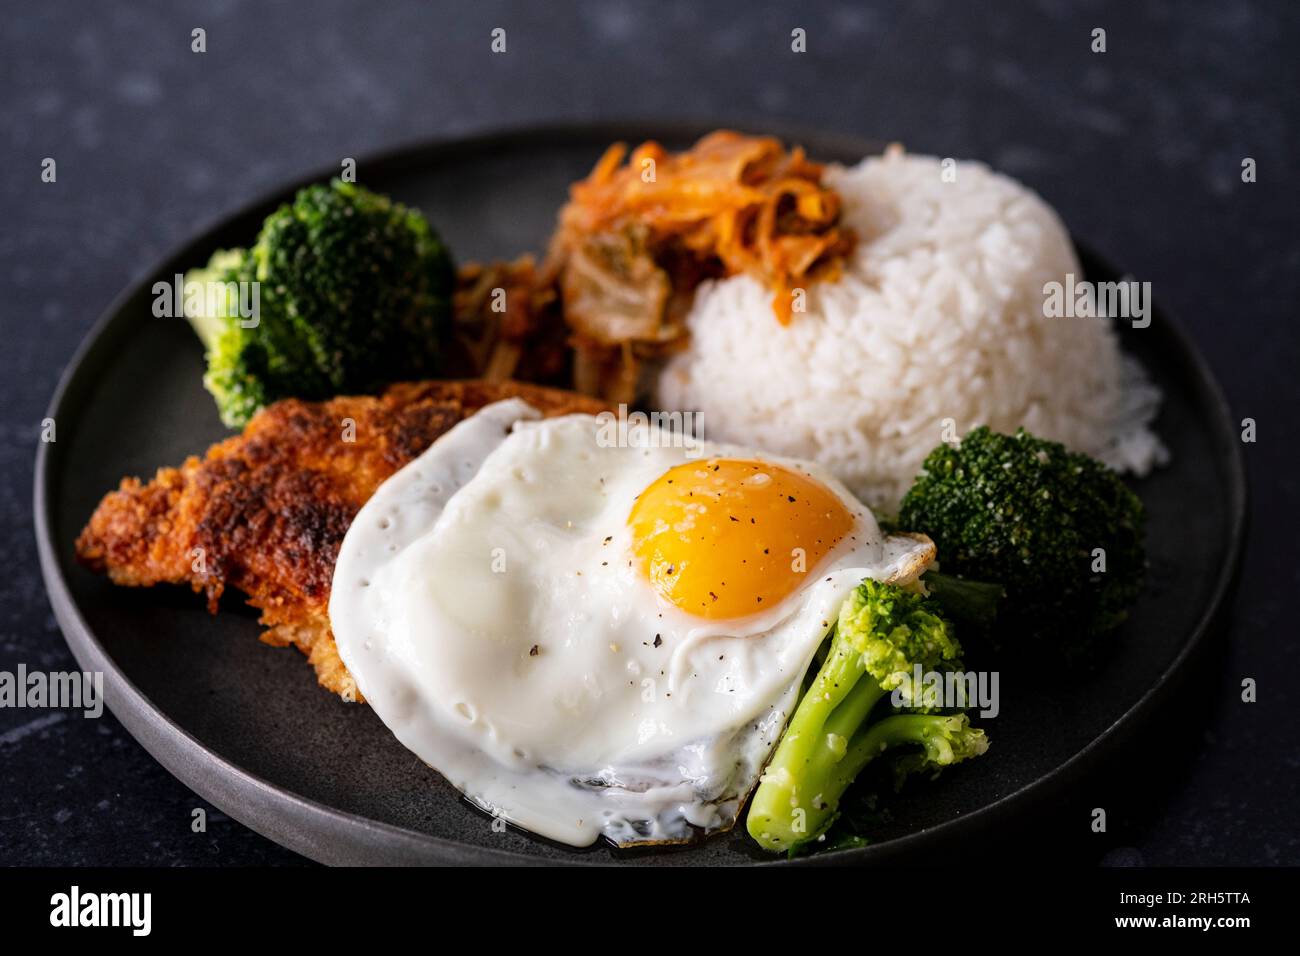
x=939, y=315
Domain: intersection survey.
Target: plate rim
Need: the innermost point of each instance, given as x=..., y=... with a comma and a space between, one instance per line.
x=329, y=835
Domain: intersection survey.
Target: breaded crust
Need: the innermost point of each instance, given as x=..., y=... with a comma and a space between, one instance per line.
x=266, y=511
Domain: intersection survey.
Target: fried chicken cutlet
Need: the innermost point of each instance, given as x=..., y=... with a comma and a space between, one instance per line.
x=266, y=511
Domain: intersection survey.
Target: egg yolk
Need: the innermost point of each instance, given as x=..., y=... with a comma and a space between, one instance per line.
x=723, y=538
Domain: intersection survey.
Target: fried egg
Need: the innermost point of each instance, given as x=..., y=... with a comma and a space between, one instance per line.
x=592, y=637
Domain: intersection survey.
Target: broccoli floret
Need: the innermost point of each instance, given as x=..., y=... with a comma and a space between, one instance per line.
x=354, y=292
x=209, y=318
x=882, y=633
x=237, y=354
x=1030, y=515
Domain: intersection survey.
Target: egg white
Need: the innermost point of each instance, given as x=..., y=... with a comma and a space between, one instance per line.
x=487, y=603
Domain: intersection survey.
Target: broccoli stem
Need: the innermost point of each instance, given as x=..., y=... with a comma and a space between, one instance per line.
x=208, y=327
x=804, y=740
x=973, y=602
x=845, y=720
x=883, y=631
x=209, y=324
x=798, y=798
x=930, y=731
x=797, y=802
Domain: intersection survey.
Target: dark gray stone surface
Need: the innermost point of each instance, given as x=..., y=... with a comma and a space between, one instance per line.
x=1139, y=148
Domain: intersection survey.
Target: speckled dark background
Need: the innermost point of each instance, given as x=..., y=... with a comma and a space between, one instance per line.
x=1140, y=149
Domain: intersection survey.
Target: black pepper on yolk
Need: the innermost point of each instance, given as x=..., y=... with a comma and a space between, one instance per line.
x=723, y=538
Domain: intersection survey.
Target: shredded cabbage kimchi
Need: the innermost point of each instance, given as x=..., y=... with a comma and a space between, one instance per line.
x=640, y=234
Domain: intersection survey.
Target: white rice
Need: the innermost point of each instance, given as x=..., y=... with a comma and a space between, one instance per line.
x=939, y=315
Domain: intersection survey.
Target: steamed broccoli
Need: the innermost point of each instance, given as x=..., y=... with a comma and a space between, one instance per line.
x=353, y=292
x=882, y=633
x=1037, y=520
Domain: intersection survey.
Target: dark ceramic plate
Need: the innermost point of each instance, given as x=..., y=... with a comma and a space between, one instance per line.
x=247, y=727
